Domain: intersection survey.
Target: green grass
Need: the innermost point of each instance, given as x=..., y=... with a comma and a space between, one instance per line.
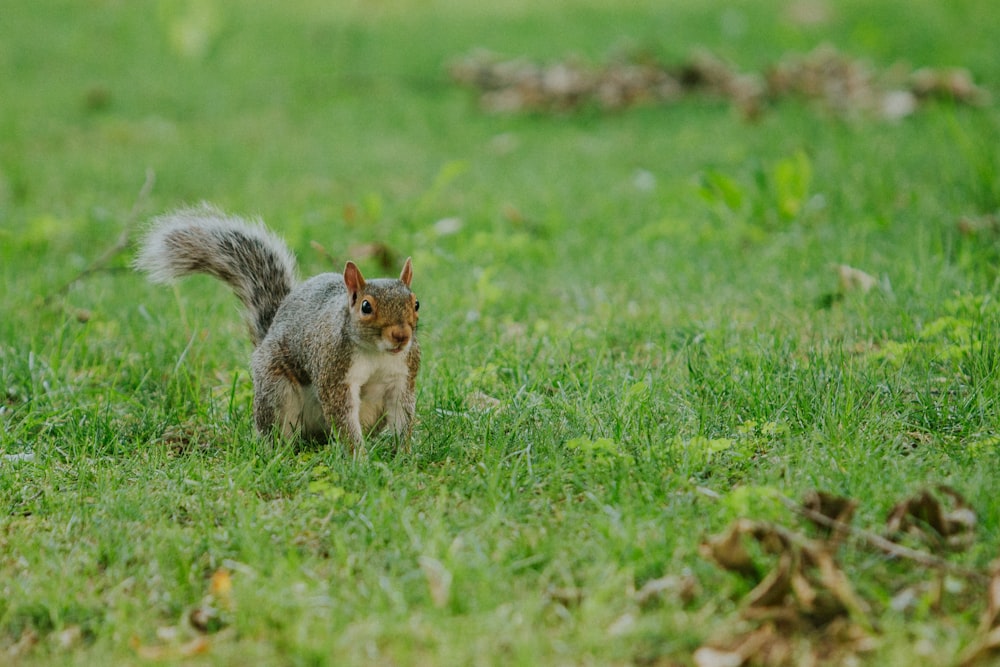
x=647, y=347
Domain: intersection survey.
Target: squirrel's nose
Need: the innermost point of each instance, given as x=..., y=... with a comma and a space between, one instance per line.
x=399, y=335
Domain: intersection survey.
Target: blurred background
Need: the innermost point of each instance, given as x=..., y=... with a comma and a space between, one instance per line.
x=353, y=123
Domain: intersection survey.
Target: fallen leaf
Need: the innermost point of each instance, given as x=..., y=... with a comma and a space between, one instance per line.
x=973, y=225
x=804, y=588
x=954, y=83
x=567, y=597
x=480, y=402
x=991, y=617
x=983, y=649
x=729, y=551
x=323, y=252
x=809, y=12
x=685, y=587
x=855, y=280
x=836, y=82
x=205, y=619
x=776, y=586
x=512, y=214
x=220, y=586
x=942, y=518
x=27, y=641
x=380, y=252
x=761, y=646
x=836, y=582
x=987, y=643
x=622, y=625
x=835, y=508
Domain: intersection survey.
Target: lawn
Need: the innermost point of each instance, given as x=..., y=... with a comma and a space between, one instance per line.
x=639, y=326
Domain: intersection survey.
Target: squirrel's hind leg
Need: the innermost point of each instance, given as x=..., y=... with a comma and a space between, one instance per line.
x=280, y=403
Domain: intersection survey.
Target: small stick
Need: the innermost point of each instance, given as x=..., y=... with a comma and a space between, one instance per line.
x=887, y=546
x=100, y=264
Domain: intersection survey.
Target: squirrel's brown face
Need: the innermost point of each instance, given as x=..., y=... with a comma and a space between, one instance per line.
x=386, y=310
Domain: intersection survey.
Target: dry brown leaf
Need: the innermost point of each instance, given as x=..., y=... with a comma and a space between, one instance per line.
x=809, y=601
x=836, y=582
x=991, y=617
x=804, y=591
x=776, y=644
x=205, y=618
x=380, y=252
x=984, y=649
x=729, y=551
x=776, y=586
x=953, y=83
x=213, y=613
x=186, y=437
x=323, y=252
x=622, y=625
x=27, y=641
x=478, y=401
x=805, y=588
x=566, y=596
x=763, y=646
x=836, y=82
x=988, y=643
x=833, y=507
x=855, y=280
x=942, y=518
x=809, y=12
x=685, y=587
x=973, y=225
x=836, y=509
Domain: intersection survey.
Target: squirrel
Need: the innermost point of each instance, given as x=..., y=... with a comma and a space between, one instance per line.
x=334, y=355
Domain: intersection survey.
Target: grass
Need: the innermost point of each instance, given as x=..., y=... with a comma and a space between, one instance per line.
x=664, y=358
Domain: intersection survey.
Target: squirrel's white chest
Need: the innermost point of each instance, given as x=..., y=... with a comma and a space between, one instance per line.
x=375, y=381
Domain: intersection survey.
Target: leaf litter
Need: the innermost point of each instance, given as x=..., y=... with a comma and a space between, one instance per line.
x=941, y=518
x=987, y=644
x=207, y=623
x=835, y=82
x=803, y=608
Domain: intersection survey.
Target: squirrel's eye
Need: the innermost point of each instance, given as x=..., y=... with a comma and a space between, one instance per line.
x=366, y=307
x=416, y=306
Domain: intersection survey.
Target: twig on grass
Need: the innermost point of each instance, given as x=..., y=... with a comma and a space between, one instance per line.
x=119, y=246
x=882, y=544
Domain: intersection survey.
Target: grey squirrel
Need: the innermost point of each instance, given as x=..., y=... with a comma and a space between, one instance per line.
x=334, y=351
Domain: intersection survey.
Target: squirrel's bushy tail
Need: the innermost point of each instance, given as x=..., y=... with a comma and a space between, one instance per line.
x=256, y=264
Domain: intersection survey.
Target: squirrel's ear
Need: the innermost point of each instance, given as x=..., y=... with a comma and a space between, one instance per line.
x=353, y=279
x=407, y=275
